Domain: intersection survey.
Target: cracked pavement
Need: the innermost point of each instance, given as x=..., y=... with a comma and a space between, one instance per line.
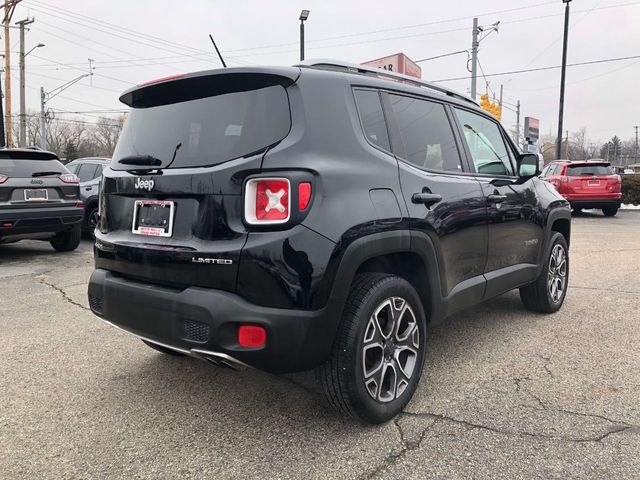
x=505, y=393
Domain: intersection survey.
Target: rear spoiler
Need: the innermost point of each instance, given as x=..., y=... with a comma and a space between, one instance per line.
x=27, y=154
x=182, y=88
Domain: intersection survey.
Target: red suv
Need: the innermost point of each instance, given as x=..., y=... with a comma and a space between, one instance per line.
x=586, y=184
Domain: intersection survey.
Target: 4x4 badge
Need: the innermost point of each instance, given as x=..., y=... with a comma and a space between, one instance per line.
x=144, y=184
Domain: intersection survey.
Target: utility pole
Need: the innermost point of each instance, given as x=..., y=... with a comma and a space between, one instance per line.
x=2, y=140
x=563, y=78
x=517, y=139
x=9, y=7
x=474, y=58
x=23, y=114
x=635, y=156
x=43, y=120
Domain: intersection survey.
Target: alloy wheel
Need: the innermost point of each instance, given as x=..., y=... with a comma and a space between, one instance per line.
x=557, y=275
x=390, y=349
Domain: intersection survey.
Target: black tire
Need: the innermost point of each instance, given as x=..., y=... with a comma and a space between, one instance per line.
x=67, y=241
x=344, y=375
x=610, y=211
x=540, y=295
x=91, y=221
x=161, y=349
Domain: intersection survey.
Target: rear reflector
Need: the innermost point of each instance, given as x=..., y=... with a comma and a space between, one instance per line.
x=7, y=225
x=3, y=178
x=252, y=336
x=79, y=205
x=69, y=178
x=304, y=195
x=266, y=201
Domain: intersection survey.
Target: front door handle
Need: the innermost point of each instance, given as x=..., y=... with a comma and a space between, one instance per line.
x=496, y=198
x=88, y=188
x=427, y=199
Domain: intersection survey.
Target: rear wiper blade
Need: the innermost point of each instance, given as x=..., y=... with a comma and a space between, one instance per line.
x=45, y=174
x=141, y=160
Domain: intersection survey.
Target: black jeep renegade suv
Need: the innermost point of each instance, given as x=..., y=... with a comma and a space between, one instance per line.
x=320, y=215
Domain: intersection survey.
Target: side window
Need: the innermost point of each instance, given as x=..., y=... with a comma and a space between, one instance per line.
x=86, y=172
x=72, y=168
x=484, y=139
x=372, y=118
x=546, y=171
x=426, y=133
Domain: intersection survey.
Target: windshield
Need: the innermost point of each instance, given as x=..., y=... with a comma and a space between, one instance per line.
x=579, y=170
x=206, y=131
x=22, y=168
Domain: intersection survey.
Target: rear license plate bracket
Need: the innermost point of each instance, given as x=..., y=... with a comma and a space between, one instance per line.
x=36, y=195
x=153, y=218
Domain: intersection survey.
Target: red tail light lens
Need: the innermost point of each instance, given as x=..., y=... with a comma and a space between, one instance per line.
x=304, y=195
x=266, y=201
x=252, y=336
x=69, y=178
x=3, y=178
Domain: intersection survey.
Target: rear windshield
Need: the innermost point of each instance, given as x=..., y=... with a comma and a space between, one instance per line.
x=206, y=131
x=579, y=170
x=26, y=168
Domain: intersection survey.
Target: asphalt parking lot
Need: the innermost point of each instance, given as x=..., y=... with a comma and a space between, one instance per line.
x=505, y=393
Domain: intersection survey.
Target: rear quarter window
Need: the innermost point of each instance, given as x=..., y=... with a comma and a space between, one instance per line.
x=372, y=118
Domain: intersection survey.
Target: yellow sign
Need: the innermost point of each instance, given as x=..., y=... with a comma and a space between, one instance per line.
x=493, y=108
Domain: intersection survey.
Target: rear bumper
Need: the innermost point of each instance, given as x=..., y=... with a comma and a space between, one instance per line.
x=594, y=201
x=22, y=221
x=204, y=322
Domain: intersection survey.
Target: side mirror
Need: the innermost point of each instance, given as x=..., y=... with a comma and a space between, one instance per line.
x=528, y=165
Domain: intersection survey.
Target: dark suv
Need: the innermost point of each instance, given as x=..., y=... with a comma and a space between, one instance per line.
x=89, y=171
x=319, y=215
x=39, y=199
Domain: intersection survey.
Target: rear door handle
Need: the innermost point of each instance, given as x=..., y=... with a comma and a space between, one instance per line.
x=88, y=188
x=427, y=199
x=496, y=198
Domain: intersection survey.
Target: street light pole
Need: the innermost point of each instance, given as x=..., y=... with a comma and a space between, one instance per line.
x=303, y=16
x=45, y=97
x=563, y=78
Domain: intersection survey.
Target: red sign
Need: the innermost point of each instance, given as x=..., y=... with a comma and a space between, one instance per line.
x=398, y=63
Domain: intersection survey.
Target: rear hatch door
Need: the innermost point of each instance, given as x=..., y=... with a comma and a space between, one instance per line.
x=31, y=179
x=589, y=179
x=171, y=209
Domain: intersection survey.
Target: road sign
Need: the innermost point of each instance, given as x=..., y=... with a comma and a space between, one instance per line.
x=532, y=129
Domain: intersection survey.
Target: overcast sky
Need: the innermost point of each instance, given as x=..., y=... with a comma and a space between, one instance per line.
x=132, y=41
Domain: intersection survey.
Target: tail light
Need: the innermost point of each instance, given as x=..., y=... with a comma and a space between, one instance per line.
x=3, y=178
x=69, y=178
x=304, y=195
x=267, y=201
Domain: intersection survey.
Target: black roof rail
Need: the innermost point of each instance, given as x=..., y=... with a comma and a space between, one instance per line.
x=337, y=65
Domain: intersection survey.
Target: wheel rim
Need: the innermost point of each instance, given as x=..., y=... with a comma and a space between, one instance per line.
x=390, y=349
x=92, y=221
x=557, y=276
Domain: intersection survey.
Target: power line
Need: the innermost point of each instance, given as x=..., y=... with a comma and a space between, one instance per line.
x=540, y=69
x=92, y=23
x=371, y=32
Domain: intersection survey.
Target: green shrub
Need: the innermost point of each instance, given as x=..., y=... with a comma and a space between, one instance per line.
x=631, y=189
